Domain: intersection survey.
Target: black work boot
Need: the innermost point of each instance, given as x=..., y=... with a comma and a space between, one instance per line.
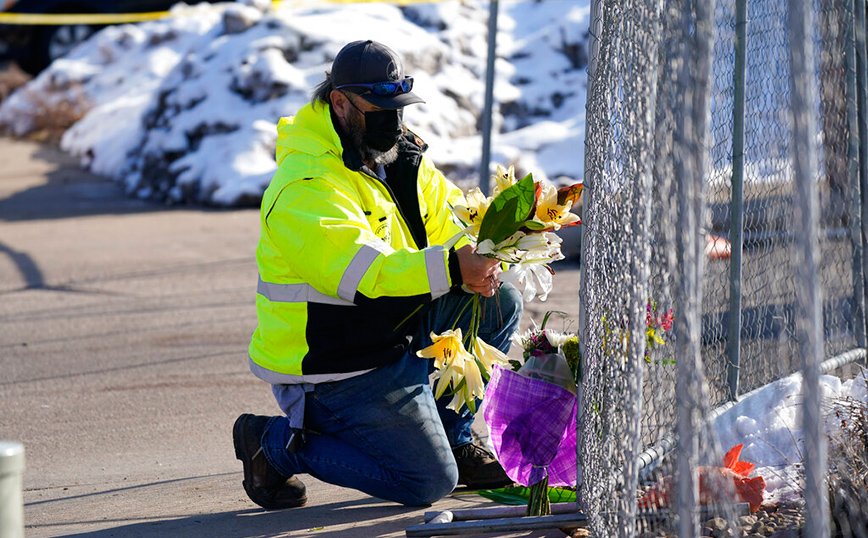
x=263, y=483
x=477, y=468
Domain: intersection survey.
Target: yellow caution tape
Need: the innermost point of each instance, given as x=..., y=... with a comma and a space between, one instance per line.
x=59, y=19
x=277, y=3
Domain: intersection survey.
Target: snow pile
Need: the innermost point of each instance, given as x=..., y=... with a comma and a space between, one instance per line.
x=185, y=109
x=769, y=423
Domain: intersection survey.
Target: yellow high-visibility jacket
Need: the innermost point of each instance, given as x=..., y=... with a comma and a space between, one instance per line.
x=345, y=259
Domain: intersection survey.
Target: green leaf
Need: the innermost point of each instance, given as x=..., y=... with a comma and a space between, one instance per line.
x=535, y=225
x=508, y=211
x=515, y=495
x=519, y=495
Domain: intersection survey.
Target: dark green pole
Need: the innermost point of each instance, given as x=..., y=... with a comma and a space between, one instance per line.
x=484, y=165
x=862, y=118
x=853, y=175
x=736, y=220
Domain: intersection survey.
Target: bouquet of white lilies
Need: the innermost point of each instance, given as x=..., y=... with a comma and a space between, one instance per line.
x=516, y=226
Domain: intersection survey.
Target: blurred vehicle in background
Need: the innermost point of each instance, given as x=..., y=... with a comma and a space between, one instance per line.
x=33, y=47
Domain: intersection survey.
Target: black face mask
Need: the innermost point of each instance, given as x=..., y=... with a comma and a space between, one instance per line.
x=383, y=128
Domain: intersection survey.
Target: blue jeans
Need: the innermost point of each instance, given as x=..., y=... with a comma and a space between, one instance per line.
x=382, y=432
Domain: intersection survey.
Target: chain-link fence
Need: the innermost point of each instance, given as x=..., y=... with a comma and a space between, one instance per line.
x=701, y=166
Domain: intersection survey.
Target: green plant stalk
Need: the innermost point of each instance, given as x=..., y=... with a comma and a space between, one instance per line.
x=538, y=503
x=463, y=308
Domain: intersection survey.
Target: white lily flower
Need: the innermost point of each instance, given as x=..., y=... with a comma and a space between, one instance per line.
x=533, y=242
x=529, y=274
x=506, y=250
x=488, y=355
x=543, y=248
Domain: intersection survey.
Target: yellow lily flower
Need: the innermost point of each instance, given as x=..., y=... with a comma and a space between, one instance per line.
x=450, y=359
x=449, y=376
x=549, y=212
x=446, y=348
x=503, y=179
x=473, y=381
x=471, y=215
x=458, y=400
x=472, y=388
x=488, y=355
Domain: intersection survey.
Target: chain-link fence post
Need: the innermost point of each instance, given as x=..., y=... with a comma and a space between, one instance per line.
x=862, y=119
x=693, y=80
x=809, y=333
x=594, y=30
x=737, y=204
x=856, y=206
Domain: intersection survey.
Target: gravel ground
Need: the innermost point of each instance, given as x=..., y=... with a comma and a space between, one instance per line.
x=773, y=521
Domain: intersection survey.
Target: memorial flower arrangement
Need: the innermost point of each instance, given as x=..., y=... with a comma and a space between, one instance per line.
x=536, y=452
x=515, y=225
x=540, y=341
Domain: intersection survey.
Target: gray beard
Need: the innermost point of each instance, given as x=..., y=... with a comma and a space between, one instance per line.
x=381, y=157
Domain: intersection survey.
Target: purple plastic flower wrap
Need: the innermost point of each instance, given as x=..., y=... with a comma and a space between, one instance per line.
x=532, y=427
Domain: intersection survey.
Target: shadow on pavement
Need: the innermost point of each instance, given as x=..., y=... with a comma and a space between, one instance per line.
x=71, y=191
x=368, y=517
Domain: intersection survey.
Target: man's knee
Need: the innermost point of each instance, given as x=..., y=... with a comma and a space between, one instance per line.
x=511, y=302
x=507, y=308
x=432, y=488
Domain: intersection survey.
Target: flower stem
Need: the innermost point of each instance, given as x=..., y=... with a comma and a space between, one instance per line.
x=463, y=308
x=538, y=500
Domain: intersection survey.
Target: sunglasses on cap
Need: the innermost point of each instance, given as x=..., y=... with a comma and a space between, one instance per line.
x=383, y=89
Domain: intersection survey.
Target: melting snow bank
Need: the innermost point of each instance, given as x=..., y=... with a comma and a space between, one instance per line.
x=769, y=423
x=185, y=109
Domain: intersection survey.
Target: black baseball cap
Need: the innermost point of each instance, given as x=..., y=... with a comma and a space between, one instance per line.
x=369, y=62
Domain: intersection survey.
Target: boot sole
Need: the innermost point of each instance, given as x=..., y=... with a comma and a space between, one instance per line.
x=241, y=454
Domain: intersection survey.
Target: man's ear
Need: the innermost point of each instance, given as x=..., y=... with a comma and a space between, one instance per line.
x=339, y=103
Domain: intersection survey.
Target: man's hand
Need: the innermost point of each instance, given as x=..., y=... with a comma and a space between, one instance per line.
x=479, y=273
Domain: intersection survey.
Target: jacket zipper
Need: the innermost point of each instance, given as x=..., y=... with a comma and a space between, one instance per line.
x=394, y=201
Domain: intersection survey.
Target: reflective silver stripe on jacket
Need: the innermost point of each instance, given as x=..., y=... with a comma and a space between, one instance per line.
x=438, y=272
x=438, y=278
x=359, y=265
x=276, y=378
x=296, y=293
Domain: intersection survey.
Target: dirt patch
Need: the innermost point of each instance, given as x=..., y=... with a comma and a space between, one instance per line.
x=11, y=78
x=52, y=114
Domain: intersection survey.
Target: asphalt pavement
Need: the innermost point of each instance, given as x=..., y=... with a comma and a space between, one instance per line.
x=123, y=334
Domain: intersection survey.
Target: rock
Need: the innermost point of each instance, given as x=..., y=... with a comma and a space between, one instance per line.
x=238, y=18
x=717, y=524
x=761, y=529
x=747, y=521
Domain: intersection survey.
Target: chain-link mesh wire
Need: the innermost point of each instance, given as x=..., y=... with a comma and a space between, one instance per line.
x=645, y=144
x=615, y=258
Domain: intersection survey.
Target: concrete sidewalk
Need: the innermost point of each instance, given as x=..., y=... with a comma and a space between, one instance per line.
x=123, y=336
